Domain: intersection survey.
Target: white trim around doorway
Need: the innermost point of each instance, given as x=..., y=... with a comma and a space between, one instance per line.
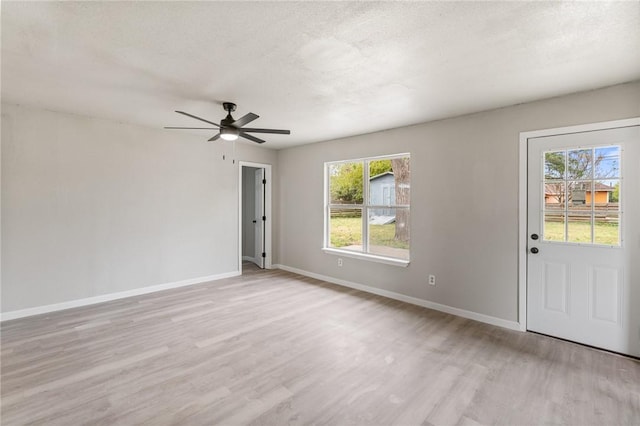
x=522, y=197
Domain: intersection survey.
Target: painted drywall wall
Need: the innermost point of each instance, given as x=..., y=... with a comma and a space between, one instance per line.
x=468, y=240
x=93, y=207
x=248, y=211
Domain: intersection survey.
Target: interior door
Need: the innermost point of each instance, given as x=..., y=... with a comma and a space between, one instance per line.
x=259, y=217
x=583, y=276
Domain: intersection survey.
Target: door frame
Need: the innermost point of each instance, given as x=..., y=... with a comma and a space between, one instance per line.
x=523, y=195
x=267, y=211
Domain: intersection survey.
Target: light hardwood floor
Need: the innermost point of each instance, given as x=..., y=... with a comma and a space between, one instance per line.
x=275, y=348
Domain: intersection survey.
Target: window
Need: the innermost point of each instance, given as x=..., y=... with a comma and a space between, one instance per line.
x=582, y=195
x=368, y=206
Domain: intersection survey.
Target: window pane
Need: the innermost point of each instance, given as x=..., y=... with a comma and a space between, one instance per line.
x=580, y=195
x=554, y=195
x=554, y=165
x=382, y=187
x=389, y=182
x=345, y=183
x=579, y=227
x=554, y=226
x=389, y=232
x=607, y=162
x=607, y=228
x=345, y=229
x=579, y=164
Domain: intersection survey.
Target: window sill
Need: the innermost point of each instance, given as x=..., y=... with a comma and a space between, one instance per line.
x=368, y=257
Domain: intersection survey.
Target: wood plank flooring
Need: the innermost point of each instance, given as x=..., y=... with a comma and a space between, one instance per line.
x=275, y=348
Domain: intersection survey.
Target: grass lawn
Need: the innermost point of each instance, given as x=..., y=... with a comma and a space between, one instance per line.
x=347, y=231
x=580, y=232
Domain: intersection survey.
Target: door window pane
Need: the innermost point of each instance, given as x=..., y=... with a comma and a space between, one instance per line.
x=579, y=164
x=607, y=162
x=345, y=229
x=607, y=194
x=554, y=195
x=579, y=227
x=554, y=229
x=554, y=165
x=607, y=228
x=580, y=195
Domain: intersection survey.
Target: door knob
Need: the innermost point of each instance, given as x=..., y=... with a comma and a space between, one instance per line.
x=254, y=221
x=534, y=250
x=534, y=236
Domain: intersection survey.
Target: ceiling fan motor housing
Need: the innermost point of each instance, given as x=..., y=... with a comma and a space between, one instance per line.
x=227, y=121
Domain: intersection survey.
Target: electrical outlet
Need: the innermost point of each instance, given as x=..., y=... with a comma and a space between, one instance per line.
x=339, y=261
x=432, y=280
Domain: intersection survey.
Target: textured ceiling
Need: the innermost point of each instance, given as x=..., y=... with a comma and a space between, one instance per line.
x=322, y=69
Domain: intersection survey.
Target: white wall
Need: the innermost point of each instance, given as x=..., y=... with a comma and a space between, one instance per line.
x=92, y=207
x=464, y=193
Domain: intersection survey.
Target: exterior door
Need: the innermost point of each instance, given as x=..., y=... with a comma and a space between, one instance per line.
x=583, y=261
x=259, y=218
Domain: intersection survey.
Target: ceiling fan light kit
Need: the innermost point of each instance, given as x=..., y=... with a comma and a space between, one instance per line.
x=230, y=129
x=229, y=133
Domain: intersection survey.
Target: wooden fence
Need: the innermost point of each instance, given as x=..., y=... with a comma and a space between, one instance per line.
x=346, y=213
x=608, y=213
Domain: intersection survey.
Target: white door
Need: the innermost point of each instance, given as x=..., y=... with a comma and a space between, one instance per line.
x=583, y=262
x=259, y=217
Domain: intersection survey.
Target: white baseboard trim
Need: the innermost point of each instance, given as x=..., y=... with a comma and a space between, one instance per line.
x=6, y=316
x=511, y=325
x=249, y=258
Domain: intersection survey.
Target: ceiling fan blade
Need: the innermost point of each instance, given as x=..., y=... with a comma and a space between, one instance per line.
x=251, y=138
x=245, y=119
x=280, y=132
x=192, y=128
x=214, y=138
x=197, y=118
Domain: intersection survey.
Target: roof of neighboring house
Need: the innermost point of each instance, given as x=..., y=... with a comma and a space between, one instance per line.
x=551, y=189
x=380, y=175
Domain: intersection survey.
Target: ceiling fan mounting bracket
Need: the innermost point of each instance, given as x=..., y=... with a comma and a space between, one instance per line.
x=229, y=107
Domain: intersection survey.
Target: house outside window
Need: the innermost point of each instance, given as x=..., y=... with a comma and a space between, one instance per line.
x=367, y=207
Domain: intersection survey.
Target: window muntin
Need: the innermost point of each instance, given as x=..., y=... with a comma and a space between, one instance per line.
x=368, y=206
x=581, y=195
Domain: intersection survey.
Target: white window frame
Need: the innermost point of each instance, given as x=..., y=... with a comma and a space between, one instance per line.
x=365, y=206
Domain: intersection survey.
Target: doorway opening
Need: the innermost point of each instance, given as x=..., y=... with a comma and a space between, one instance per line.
x=254, y=236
